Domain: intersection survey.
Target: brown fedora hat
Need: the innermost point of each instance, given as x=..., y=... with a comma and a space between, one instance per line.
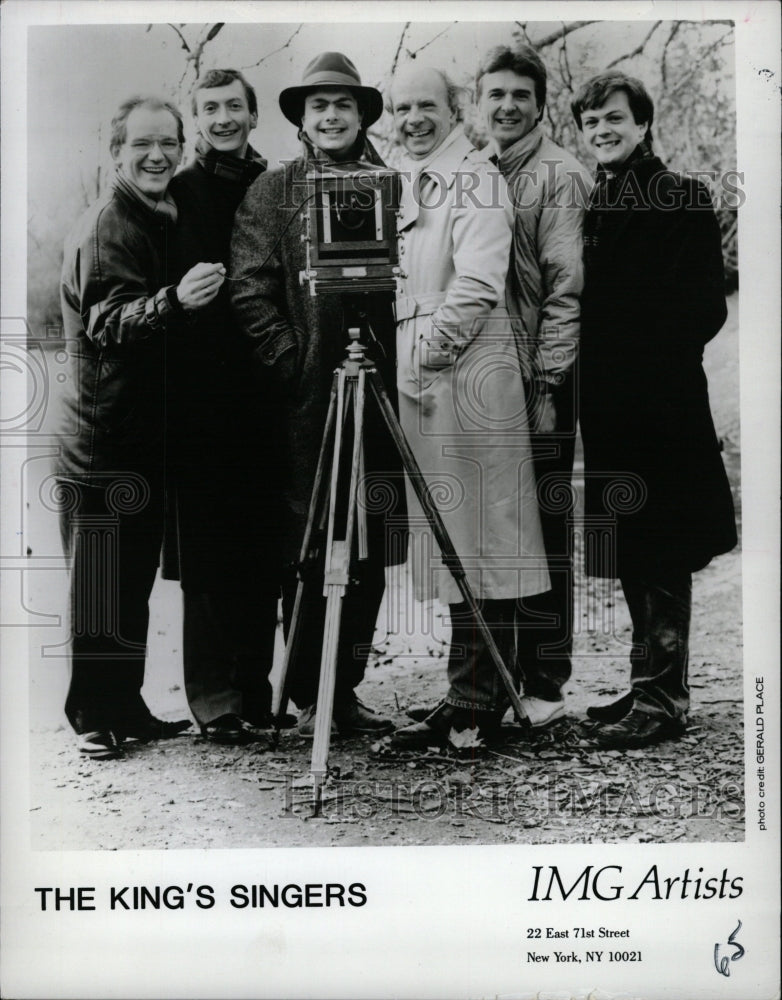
x=331, y=69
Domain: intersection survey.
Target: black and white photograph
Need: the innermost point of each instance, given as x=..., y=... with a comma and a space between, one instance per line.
x=390, y=500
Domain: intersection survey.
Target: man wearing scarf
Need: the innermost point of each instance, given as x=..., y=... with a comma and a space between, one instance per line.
x=297, y=341
x=223, y=501
x=549, y=188
x=658, y=501
x=121, y=305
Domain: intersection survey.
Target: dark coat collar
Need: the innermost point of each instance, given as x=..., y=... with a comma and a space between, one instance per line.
x=239, y=169
x=134, y=200
x=625, y=194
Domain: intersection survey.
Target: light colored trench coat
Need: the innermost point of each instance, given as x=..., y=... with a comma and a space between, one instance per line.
x=461, y=396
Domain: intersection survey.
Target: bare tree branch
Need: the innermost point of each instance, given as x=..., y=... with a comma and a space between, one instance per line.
x=185, y=46
x=700, y=24
x=414, y=52
x=693, y=69
x=198, y=52
x=566, y=29
x=638, y=49
x=523, y=28
x=663, y=63
x=399, y=47
x=274, y=51
x=564, y=65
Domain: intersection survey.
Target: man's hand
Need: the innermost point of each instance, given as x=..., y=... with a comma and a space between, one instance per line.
x=200, y=285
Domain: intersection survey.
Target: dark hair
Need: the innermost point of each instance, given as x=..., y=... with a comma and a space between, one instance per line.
x=523, y=61
x=305, y=92
x=119, y=123
x=223, y=78
x=597, y=91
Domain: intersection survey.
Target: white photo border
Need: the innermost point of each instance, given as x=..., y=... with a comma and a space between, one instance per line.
x=446, y=921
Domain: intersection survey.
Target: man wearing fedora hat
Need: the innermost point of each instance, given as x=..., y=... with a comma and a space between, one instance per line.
x=297, y=341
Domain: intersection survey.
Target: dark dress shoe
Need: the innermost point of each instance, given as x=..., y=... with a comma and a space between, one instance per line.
x=230, y=730
x=639, y=729
x=305, y=724
x=354, y=717
x=99, y=745
x=437, y=727
x=418, y=736
x=267, y=720
x=148, y=729
x=418, y=712
x=614, y=710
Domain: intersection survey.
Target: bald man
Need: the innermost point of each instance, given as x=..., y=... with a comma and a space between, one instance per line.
x=461, y=397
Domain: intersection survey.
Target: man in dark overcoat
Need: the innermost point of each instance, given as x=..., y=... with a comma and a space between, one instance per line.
x=658, y=501
x=297, y=342
x=122, y=305
x=222, y=455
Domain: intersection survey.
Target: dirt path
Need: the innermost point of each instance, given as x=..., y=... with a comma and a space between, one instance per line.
x=547, y=789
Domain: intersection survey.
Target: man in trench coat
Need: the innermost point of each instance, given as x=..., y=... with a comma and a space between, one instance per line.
x=658, y=501
x=461, y=396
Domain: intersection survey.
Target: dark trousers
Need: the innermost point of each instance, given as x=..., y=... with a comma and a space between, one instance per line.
x=474, y=682
x=660, y=610
x=112, y=534
x=360, y=607
x=545, y=621
x=229, y=651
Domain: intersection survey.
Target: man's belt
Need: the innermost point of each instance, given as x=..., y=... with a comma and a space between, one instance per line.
x=408, y=306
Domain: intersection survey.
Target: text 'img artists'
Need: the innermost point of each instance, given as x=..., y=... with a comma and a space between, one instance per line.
x=602, y=884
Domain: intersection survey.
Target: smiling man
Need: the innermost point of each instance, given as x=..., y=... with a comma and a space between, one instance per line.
x=549, y=189
x=461, y=397
x=225, y=505
x=653, y=297
x=297, y=340
x=121, y=306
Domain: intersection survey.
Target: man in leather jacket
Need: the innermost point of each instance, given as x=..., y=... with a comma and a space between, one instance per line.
x=120, y=308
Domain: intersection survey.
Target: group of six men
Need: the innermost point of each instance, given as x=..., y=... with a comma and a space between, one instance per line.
x=204, y=368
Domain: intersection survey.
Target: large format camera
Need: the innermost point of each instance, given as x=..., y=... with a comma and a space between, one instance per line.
x=350, y=231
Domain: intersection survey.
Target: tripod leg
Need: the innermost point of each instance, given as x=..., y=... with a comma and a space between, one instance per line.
x=316, y=501
x=361, y=510
x=336, y=456
x=336, y=579
x=328, y=673
x=449, y=555
x=354, y=508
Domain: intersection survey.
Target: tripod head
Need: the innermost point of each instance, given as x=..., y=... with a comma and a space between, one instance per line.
x=361, y=337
